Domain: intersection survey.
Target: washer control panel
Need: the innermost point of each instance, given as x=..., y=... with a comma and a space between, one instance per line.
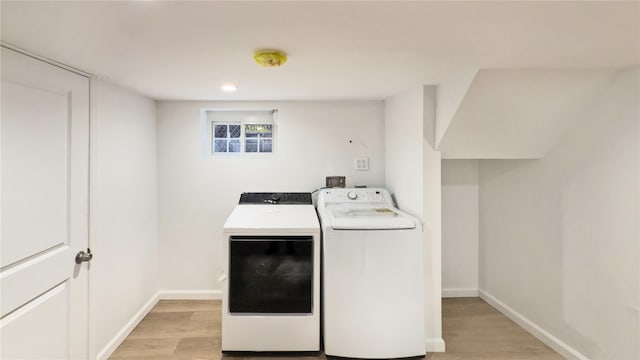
x=354, y=196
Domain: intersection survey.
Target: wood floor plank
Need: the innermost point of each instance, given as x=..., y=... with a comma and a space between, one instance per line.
x=199, y=348
x=187, y=305
x=207, y=315
x=176, y=325
x=191, y=330
x=146, y=347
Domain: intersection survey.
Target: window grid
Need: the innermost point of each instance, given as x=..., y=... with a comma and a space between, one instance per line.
x=259, y=138
x=227, y=143
x=238, y=144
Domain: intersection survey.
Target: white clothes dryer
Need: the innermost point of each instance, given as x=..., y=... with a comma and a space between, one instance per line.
x=271, y=296
x=373, y=297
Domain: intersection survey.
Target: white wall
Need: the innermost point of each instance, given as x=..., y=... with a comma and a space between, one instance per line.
x=413, y=176
x=403, y=143
x=197, y=192
x=460, y=233
x=515, y=113
x=451, y=93
x=559, y=236
x=432, y=200
x=123, y=213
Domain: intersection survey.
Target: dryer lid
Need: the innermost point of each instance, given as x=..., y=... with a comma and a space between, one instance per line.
x=369, y=218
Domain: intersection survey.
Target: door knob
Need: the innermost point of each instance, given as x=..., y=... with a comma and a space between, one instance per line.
x=84, y=256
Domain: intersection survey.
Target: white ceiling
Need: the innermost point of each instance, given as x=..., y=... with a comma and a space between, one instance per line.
x=337, y=50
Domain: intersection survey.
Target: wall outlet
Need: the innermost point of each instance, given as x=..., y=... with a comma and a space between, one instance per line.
x=361, y=164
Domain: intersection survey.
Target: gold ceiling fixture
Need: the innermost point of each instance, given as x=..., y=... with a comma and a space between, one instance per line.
x=270, y=58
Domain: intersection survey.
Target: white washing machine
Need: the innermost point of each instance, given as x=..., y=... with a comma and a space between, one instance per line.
x=373, y=297
x=271, y=296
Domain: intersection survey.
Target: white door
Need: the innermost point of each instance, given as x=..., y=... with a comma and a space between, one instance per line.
x=44, y=214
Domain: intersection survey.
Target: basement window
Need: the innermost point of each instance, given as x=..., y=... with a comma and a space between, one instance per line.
x=226, y=137
x=258, y=138
x=235, y=131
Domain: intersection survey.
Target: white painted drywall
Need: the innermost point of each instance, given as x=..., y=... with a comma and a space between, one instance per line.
x=460, y=193
x=403, y=143
x=123, y=211
x=413, y=176
x=337, y=49
x=198, y=191
x=518, y=113
x=559, y=235
x=451, y=92
x=431, y=202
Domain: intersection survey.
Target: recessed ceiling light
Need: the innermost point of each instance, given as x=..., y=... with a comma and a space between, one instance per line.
x=229, y=88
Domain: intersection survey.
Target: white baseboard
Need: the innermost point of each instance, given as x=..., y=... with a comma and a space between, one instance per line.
x=459, y=292
x=435, y=345
x=190, y=294
x=553, y=342
x=113, y=344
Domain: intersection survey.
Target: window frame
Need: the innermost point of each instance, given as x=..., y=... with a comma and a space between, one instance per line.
x=240, y=117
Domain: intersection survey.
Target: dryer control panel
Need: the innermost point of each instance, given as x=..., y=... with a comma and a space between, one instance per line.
x=354, y=196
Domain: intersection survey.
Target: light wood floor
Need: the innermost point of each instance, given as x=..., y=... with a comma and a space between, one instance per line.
x=188, y=329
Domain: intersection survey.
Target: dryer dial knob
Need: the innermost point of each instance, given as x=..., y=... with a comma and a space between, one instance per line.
x=352, y=195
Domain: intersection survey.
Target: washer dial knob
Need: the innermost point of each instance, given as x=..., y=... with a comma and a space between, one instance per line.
x=352, y=195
